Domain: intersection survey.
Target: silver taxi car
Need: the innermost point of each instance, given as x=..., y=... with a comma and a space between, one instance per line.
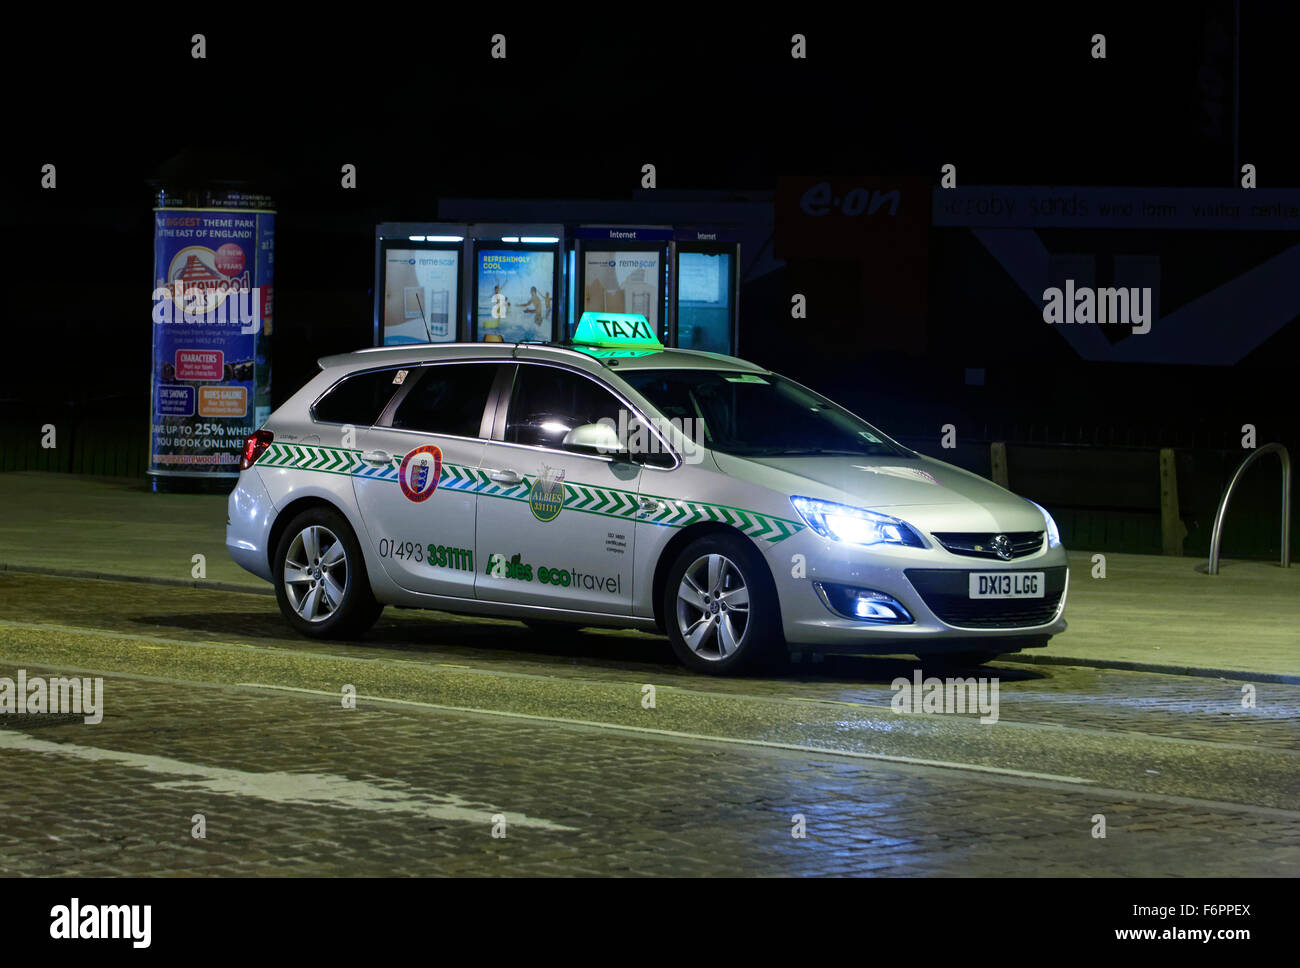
x=613, y=482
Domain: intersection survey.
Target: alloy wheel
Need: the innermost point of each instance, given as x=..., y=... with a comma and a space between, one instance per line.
x=713, y=607
x=315, y=573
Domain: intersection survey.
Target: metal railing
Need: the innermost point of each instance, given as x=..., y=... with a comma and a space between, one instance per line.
x=1216, y=536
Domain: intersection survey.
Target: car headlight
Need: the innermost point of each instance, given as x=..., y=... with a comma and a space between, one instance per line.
x=1053, y=535
x=841, y=522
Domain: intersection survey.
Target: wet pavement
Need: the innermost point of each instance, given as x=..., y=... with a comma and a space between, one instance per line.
x=212, y=706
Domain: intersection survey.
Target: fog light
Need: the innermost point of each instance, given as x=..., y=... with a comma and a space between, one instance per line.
x=863, y=604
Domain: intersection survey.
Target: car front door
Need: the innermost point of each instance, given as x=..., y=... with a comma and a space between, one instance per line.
x=416, y=486
x=555, y=526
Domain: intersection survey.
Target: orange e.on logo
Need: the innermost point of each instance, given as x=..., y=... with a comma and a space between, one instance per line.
x=223, y=401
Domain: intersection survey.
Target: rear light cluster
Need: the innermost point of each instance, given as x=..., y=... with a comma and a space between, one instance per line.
x=254, y=447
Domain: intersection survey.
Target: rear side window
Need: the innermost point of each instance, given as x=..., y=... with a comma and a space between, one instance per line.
x=448, y=399
x=358, y=399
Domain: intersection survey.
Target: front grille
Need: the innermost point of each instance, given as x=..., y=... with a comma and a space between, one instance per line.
x=946, y=592
x=978, y=544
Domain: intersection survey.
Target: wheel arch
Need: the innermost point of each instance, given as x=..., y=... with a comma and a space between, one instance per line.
x=674, y=548
x=291, y=511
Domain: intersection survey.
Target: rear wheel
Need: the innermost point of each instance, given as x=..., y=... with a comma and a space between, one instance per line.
x=720, y=608
x=320, y=577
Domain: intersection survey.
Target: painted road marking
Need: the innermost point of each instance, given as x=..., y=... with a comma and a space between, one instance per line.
x=678, y=734
x=312, y=789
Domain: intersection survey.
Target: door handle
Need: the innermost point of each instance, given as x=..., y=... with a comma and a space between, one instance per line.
x=505, y=476
x=649, y=505
x=381, y=457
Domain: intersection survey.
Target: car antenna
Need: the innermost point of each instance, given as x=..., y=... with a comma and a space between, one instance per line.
x=420, y=302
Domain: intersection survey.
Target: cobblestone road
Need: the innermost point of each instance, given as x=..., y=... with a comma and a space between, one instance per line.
x=212, y=708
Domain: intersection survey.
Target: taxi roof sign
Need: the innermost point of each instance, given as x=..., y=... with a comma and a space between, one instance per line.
x=624, y=331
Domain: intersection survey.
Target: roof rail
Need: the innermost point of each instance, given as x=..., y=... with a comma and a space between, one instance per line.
x=552, y=346
x=549, y=346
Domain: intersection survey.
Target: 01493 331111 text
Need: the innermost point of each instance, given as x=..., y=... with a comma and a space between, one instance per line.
x=438, y=556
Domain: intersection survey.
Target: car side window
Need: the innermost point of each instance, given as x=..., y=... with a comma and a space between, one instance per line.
x=448, y=399
x=547, y=402
x=358, y=399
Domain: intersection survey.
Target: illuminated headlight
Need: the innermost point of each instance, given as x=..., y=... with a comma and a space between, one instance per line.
x=840, y=522
x=1053, y=535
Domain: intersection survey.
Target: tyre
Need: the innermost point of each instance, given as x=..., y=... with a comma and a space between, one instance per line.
x=720, y=608
x=320, y=577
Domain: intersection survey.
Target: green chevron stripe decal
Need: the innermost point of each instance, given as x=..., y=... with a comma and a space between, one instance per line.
x=585, y=498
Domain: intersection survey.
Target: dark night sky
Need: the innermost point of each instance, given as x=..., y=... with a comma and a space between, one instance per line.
x=1010, y=95
x=714, y=106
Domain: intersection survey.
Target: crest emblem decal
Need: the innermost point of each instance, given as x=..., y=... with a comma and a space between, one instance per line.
x=419, y=473
x=546, y=499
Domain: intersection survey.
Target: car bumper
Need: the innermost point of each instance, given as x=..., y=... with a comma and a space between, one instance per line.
x=249, y=513
x=930, y=583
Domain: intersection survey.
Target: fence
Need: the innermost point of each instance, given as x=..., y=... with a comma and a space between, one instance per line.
x=1104, y=495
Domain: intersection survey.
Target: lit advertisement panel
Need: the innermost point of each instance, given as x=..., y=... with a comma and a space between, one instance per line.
x=516, y=297
x=420, y=295
x=704, y=309
x=213, y=276
x=623, y=282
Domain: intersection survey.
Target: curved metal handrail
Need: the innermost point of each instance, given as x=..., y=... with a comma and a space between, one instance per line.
x=1216, y=536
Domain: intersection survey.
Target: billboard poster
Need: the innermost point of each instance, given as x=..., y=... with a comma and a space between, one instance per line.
x=212, y=307
x=420, y=296
x=515, y=297
x=622, y=282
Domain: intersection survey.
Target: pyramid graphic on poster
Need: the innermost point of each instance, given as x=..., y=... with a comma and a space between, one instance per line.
x=197, y=274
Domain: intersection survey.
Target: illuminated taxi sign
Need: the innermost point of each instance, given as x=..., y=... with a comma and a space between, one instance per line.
x=618, y=331
x=601, y=353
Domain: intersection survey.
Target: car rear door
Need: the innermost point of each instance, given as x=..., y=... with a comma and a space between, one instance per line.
x=416, y=486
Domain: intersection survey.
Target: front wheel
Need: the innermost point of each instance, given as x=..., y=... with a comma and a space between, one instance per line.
x=320, y=577
x=720, y=608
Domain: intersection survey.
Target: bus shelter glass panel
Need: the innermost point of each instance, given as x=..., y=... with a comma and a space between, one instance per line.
x=623, y=281
x=516, y=294
x=704, y=295
x=420, y=295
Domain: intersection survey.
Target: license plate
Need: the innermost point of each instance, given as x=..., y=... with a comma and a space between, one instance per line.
x=1006, y=584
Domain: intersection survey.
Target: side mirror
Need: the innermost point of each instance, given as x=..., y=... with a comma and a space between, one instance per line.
x=597, y=438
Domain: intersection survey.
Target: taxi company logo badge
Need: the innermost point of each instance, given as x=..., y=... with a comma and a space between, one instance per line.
x=419, y=473
x=546, y=499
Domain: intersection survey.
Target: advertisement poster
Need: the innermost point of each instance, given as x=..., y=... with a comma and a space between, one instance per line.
x=211, y=319
x=515, y=298
x=420, y=304
x=623, y=282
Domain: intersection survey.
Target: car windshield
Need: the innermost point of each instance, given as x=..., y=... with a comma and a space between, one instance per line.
x=759, y=415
